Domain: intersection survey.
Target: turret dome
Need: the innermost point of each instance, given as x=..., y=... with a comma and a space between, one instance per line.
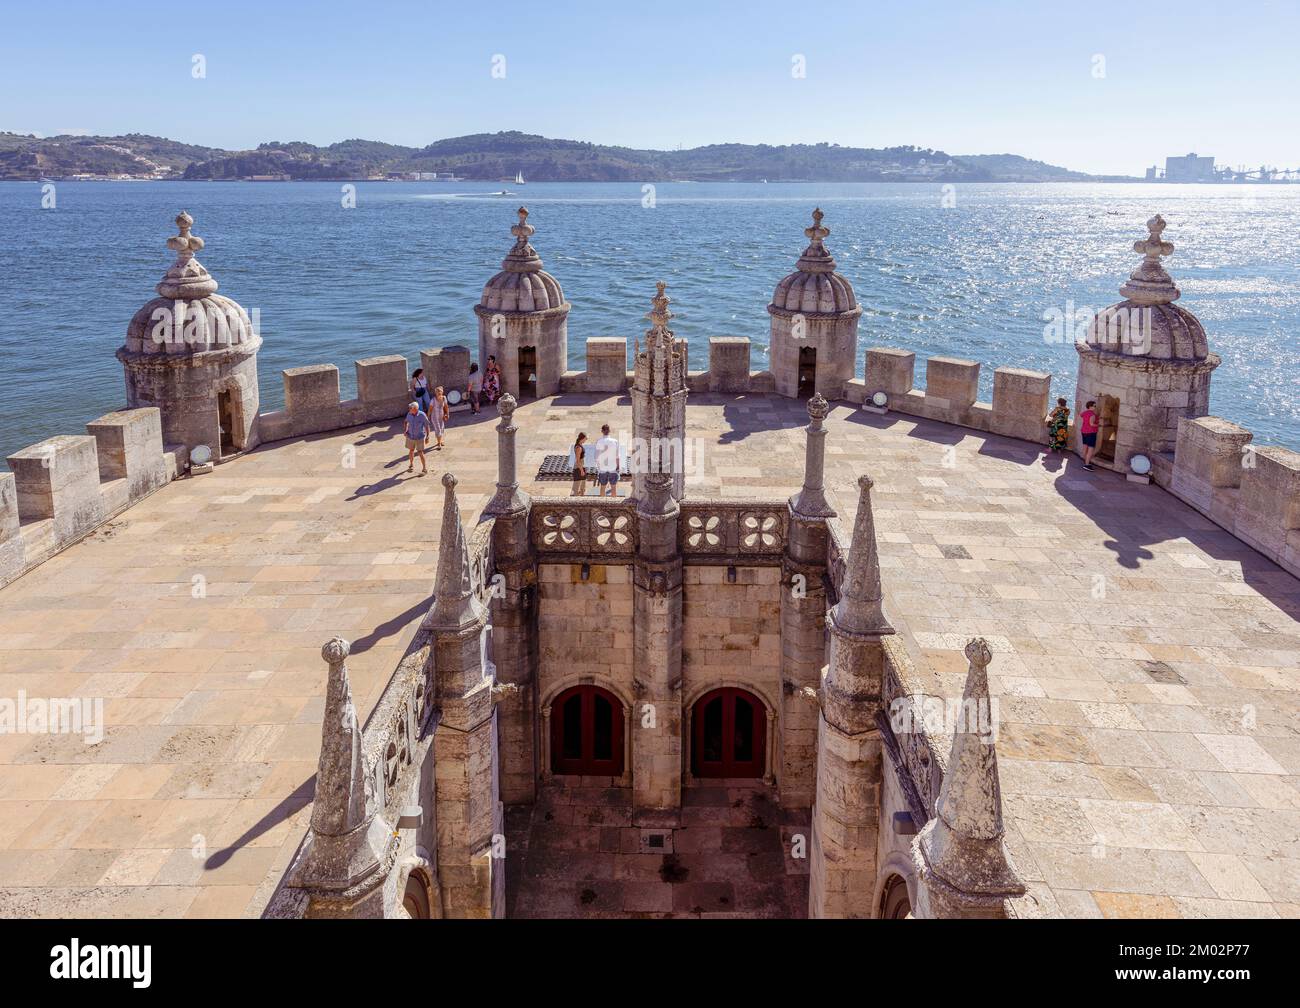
x=1147, y=323
x=522, y=285
x=188, y=316
x=814, y=287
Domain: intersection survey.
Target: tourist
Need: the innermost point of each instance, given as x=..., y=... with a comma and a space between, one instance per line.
x=580, y=465
x=1058, y=427
x=417, y=436
x=492, y=380
x=608, y=464
x=475, y=386
x=439, y=414
x=420, y=389
x=1088, y=427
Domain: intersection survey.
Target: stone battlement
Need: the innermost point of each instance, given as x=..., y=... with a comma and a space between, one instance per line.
x=66, y=486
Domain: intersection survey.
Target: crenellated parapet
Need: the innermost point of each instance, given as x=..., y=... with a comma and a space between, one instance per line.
x=66, y=486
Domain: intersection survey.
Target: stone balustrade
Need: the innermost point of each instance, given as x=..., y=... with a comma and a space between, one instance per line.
x=750, y=533
x=66, y=486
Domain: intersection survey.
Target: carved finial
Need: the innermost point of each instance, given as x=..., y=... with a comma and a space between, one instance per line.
x=335, y=650
x=1153, y=246
x=816, y=233
x=818, y=408
x=979, y=654
x=186, y=279
x=506, y=405
x=523, y=230
x=659, y=313
x=1149, y=284
x=449, y=481
x=184, y=244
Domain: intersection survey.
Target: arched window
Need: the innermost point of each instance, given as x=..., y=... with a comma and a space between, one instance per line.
x=894, y=901
x=729, y=734
x=587, y=732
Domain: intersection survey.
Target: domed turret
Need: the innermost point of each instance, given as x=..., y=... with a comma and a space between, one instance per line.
x=1145, y=362
x=523, y=320
x=814, y=323
x=192, y=353
x=1148, y=323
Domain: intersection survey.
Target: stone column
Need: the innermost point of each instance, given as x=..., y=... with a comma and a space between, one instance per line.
x=470, y=830
x=960, y=856
x=657, y=602
x=515, y=646
x=349, y=846
x=803, y=617
x=657, y=665
x=846, y=813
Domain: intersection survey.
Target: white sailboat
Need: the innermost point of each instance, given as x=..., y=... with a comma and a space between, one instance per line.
x=519, y=178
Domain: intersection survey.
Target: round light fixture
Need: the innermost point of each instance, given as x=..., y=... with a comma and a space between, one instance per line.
x=453, y=396
x=880, y=399
x=1140, y=464
x=200, y=455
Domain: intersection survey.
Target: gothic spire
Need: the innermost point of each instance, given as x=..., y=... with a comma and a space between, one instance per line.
x=861, y=605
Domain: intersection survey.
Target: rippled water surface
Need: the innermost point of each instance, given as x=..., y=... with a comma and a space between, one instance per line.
x=402, y=270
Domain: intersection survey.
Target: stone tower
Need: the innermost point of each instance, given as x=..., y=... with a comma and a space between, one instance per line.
x=523, y=321
x=659, y=404
x=814, y=345
x=1145, y=361
x=193, y=353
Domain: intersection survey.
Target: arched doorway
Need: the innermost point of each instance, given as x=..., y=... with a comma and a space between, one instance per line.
x=415, y=897
x=807, y=372
x=587, y=732
x=729, y=734
x=895, y=904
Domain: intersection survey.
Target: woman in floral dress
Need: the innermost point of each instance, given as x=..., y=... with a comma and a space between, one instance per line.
x=492, y=380
x=1058, y=427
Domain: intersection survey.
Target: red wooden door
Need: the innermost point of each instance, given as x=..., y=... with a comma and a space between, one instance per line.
x=587, y=732
x=729, y=734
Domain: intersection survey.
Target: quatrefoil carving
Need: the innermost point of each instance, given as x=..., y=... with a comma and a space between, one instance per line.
x=759, y=531
x=612, y=529
x=559, y=529
x=703, y=530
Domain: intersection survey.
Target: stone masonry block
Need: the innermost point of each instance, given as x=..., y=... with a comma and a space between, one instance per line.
x=1210, y=452
x=606, y=364
x=447, y=366
x=1269, y=507
x=890, y=371
x=311, y=390
x=954, y=380
x=1020, y=402
x=383, y=387
x=729, y=364
x=58, y=479
x=129, y=445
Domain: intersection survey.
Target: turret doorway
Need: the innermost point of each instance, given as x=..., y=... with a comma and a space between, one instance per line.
x=807, y=372
x=527, y=373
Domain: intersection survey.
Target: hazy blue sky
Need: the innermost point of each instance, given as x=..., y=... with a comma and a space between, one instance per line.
x=1215, y=77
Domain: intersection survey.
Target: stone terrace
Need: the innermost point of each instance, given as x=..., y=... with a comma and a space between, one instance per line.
x=1145, y=660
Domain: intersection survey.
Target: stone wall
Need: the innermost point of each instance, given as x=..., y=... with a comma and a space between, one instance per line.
x=65, y=487
x=731, y=636
x=1254, y=493
x=584, y=636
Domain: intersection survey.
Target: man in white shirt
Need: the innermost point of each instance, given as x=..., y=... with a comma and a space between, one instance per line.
x=608, y=463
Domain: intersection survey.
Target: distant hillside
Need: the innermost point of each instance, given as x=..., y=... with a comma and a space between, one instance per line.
x=136, y=155
x=497, y=156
